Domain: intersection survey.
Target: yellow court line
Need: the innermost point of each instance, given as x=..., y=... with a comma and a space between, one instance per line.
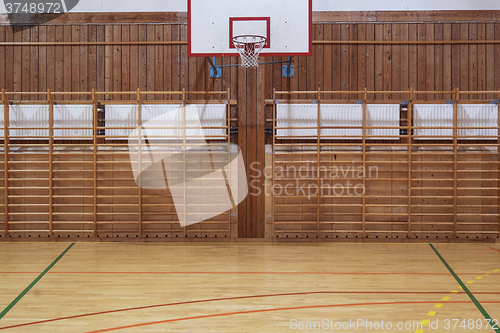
x=447, y=298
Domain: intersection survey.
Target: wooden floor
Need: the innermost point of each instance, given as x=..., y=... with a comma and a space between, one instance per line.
x=246, y=287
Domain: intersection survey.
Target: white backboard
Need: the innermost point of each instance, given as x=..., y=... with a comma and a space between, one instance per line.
x=287, y=25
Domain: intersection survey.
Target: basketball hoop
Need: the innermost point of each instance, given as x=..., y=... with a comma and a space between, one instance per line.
x=249, y=47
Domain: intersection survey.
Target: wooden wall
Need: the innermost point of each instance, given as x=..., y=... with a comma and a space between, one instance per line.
x=467, y=65
x=351, y=51
x=251, y=140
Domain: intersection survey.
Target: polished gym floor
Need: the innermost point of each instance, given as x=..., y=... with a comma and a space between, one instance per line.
x=248, y=287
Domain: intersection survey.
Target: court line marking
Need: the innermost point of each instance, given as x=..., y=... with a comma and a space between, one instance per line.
x=231, y=298
x=494, y=249
x=28, y=288
x=271, y=310
x=256, y=273
x=464, y=287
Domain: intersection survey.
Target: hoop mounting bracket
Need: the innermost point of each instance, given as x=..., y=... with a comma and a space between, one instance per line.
x=215, y=71
x=288, y=69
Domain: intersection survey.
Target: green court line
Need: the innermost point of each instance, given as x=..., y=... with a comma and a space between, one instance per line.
x=464, y=287
x=25, y=291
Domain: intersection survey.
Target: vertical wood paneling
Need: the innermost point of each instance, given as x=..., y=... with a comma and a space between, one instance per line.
x=464, y=57
x=429, y=61
x=341, y=67
x=184, y=64
x=117, y=61
x=361, y=58
x=242, y=143
x=192, y=75
x=43, y=61
x=336, y=60
x=59, y=64
x=379, y=59
x=353, y=57
x=85, y=78
x=278, y=81
x=396, y=60
x=167, y=53
x=344, y=60
x=25, y=71
x=143, y=60
x=101, y=61
x=251, y=144
x=260, y=158
x=134, y=58
x=75, y=60
x=126, y=62
x=67, y=61
x=370, y=56
x=447, y=60
x=319, y=58
x=413, y=56
x=455, y=57
x=327, y=60
x=481, y=59
x=285, y=81
x=159, y=61
x=405, y=56
x=9, y=59
x=497, y=57
x=294, y=81
x=34, y=62
x=490, y=58
x=176, y=64
x=92, y=67
x=438, y=59
x=201, y=75
x=473, y=56
x=108, y=60
x=387, y=85
x=2, y=58
x=421, y=58
x=303, y=73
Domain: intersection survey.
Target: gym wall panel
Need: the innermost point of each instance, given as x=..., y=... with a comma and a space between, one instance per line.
x=446, y=57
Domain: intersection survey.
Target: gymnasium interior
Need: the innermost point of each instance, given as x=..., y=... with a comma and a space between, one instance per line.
x=249, y=166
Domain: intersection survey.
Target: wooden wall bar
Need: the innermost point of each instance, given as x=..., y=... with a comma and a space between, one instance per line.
x=470, y=63
x=83, y=186
x=414, y=185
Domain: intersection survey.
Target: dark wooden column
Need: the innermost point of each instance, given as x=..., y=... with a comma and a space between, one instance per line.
x=251, y=135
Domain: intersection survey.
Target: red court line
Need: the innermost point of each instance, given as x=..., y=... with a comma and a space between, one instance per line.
x=237, y=298
x=494, y=249
x=274, y=310
x=256, y=273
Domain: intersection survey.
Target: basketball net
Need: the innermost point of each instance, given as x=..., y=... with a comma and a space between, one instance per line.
x=249, y=47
